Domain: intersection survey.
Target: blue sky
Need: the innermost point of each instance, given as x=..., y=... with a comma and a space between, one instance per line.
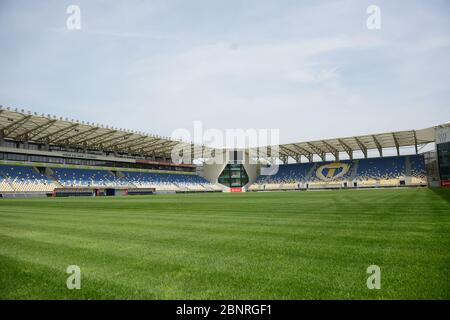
x=311, y=69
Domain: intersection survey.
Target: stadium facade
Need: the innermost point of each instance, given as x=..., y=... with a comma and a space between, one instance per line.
x=41, y=155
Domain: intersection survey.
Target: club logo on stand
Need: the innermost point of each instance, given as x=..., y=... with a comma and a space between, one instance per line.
x=332, y=171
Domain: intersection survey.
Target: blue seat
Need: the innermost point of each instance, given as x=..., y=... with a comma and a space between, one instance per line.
x=158, y=178
x=362, y=169
x=85, y=177
x=23, y=174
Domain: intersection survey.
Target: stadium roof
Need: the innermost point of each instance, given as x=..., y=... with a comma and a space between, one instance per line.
x=26, y=126
x=363, y=143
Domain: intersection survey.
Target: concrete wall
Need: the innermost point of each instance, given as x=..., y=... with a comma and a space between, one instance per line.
x=253, y=170
x=212, y=171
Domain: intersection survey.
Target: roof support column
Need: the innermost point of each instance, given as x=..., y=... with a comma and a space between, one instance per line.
x=377, y=143
x=397, y=146
x=333, y=150
x=284, y=159
x=347, y=149
x=415, y=142
x=318, y=151
x=362, y=147
x=303, y=152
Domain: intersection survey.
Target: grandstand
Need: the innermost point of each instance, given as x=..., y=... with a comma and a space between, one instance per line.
x=68, y=177
x=373, y=172
x=23, y=178
x=169, y=181
x=41, y=154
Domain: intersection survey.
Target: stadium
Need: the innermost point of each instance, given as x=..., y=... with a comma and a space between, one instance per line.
x=142, y=226
x=45, y=156
x=224, y=158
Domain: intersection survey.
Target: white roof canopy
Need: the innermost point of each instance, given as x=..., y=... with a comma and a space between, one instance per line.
x=26, y=126
x=348, y=145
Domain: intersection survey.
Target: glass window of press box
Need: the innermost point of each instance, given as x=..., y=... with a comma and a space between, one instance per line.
x=443, y=151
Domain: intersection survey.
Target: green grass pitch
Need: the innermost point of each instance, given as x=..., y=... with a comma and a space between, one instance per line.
x=280, y=245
